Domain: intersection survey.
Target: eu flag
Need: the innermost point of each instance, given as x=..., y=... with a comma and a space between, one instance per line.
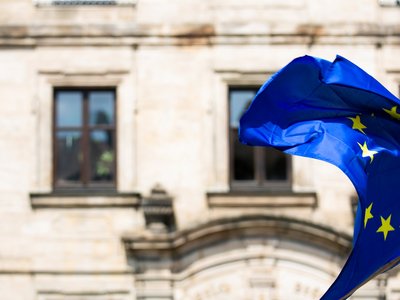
x=336, y=112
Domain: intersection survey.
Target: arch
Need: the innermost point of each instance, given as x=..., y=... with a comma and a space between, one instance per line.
x=250, y=241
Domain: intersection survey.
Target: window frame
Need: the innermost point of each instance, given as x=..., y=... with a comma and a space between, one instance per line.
x=84, y=184
x=260, y=181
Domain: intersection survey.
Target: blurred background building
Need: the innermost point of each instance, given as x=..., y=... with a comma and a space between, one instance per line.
x=121, y=174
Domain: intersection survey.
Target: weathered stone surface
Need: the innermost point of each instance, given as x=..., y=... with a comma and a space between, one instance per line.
x=171, y=63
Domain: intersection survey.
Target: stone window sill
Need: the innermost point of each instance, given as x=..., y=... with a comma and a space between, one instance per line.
x=265, y=199
x=84, y=199
x=83, y=2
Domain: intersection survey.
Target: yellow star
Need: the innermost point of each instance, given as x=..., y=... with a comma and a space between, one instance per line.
x=385, y=227
x=368, y=215
x=357, y=124
x=393, y=112
x=366, y=152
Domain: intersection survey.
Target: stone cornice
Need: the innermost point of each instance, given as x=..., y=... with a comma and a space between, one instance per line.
x=197, y=34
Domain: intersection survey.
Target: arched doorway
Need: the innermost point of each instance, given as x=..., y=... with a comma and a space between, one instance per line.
x=253, y=257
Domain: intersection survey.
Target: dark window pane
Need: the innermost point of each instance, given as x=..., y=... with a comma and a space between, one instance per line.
x=255, y=166
x=102, y=155
x=101, y=108
x=243, y=156
x=243, y=160
x=275, y=165
x=69, y=108
x=68, y=156
x=239, y=102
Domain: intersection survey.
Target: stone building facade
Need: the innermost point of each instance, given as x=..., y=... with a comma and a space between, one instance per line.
x=120, y=174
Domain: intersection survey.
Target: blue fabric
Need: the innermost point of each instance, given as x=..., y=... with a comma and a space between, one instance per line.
x=336, y=112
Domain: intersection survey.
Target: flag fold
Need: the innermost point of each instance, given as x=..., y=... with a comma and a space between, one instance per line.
x=336, y=112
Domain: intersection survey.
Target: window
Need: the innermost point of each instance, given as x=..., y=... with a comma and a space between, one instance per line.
x=84, y=138
x=253, y=167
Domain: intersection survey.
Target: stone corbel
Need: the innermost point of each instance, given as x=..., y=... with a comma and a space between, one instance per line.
x=158, y=211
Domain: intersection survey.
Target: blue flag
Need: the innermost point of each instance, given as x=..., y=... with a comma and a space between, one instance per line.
x=336, y=112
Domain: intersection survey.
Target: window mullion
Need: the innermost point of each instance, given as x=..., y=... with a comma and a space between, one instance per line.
x=259, y=165
x=85, y=164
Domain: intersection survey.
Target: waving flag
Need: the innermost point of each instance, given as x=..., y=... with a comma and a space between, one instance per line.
x=336, y=112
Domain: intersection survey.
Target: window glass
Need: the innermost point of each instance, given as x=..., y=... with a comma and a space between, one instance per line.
x=243, y=160
x=69, y=156
x=69, y=108
x=101, y=155
x=275, y=165
x=243, y=156
x=240, y=101
x=101, y=108
x=252, y=166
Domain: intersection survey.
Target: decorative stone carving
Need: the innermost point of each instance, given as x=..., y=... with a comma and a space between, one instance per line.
x=199, y=262
x=158, y=210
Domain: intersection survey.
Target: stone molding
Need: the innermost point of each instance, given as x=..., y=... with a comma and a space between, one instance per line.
x=62, y=295
x=266, y=199
x=196, y=34
x=162, y=261
x=82, y=200
x=83, y=2
x=173, y=247
x=389, y=2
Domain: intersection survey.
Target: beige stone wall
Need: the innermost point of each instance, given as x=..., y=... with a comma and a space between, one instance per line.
x=171, y=62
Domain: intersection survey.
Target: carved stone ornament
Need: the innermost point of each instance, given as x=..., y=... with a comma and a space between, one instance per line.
x=158, y=210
